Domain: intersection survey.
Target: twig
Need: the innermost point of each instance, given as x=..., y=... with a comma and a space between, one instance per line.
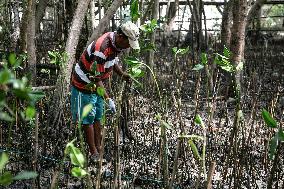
x=175, y=164
x=210, y=174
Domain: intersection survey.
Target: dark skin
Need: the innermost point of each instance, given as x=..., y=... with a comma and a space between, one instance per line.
x=93, y=132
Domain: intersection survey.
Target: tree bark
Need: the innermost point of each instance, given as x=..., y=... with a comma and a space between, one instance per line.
x=104, y=22
x=150, y=57
x=238, y=39
x=226, y=26
x=171, y=15
x=23, y=30
x=40, y=12
x=147, y=11
x=254, y=10
x=93, y=14
x=31, y=48
x=16, y=26
x=72, y=41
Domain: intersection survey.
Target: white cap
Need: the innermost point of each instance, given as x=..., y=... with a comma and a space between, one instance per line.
x=132, y=32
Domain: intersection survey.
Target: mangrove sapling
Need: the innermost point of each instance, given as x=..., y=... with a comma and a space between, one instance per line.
x=117, y=167
x=275, y=144
x=201, y=159
x=77, y=156
x=164, y=147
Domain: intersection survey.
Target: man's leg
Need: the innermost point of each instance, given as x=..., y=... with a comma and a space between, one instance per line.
x=97, y=135
x=90, y=139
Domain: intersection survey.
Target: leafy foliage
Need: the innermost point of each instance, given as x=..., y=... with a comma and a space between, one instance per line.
x=77, y=159
x=268, y=119
x=180, y=51
x=57, y=57
x=6, y=178
x=134, y=10
x=10, y=85
x=149, y=27
x=277, y=138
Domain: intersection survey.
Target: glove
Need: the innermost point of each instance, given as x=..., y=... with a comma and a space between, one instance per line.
x=111, y=105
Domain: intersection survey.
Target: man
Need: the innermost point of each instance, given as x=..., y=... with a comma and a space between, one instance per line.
x=95, y=66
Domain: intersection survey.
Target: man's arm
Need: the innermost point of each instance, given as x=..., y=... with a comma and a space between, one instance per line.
x=121, y=73
x=118, y=70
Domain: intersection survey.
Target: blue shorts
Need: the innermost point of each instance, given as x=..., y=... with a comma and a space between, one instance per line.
x=79, y=100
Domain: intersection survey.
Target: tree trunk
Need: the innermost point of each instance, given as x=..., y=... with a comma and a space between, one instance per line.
x=253, y=12
x=40, y=12
x=104, y=22
x=238, y=39
x=171, y=15
x=16, y=26
x=227, y=18
x=93, y=14
x=31, y=48
x=150, y=57
x=146, y=12
x=72, y=41
x=23, y=31
x=62, y=84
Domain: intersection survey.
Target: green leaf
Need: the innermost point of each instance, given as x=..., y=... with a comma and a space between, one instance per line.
x=131, y=61
x=153, y=24
x=5, y=76
x=25, y=175
x=18, y=84
x=228, y=68
x=6, y=117
x=198, y=67
x=30, y=112
x=3, y=160
x=192, y=137
x=226, y=52
x=270, y=122
x=134, y=10
x=272, y=147
x=194, y=149
x=6, y=178
x=86, y=110
x=36, y=95
x=222, y=57
x=78, y=172
x=91, y=86
x=174, y=50
x=204, y=59
x=77, y=157
x=281, y=135
x=198, y=120
x=183, y=51
x=162, y=122
x=12, y=59
x=136, y=71
x=101, y=91
x=165, y=124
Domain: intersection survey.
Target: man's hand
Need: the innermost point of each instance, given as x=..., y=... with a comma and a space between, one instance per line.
x=111, y=105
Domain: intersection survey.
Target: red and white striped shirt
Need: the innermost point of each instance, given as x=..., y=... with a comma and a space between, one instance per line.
x=103, y=55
